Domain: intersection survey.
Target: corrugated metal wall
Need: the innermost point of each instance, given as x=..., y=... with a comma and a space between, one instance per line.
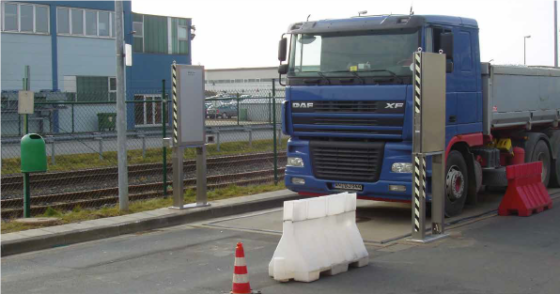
x=155, y=34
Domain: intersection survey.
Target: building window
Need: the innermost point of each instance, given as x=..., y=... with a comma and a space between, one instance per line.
x=94, y=89
x=77, y=23
x=138, y=27
x=112, y=89
x=10, y=17
x=25, y=18
x=90, y=23
x=147, y=113
x=104, y=24
x=62, y=20
x=41, y=19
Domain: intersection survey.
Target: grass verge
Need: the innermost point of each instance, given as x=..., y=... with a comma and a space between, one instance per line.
x=78, y=214
x=154, y=155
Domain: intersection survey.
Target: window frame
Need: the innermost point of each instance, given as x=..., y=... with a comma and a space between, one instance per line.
x=109, y=91
x=186, y=31
x=84, y=32
x=96, y=17
x=144, y=103
x=143, y=30
x=4, y=17
x=109, y=87
x=109, y=27
x=57, y=18
x=18, y=18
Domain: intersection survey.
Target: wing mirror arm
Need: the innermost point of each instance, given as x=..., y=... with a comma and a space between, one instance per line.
x=282, y=52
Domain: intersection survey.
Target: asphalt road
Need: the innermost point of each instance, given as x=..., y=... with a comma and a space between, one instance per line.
x=490, y=255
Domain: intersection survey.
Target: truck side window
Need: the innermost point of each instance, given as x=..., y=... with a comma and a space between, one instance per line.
x=437, y=40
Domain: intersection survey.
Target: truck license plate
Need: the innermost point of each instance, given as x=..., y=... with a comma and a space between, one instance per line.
x=348, y=187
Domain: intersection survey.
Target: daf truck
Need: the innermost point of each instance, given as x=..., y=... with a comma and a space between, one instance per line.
x=348, y=108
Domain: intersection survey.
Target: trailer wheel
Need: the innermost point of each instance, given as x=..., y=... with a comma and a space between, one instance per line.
x=555, y=171
x=456, y=184
x=542, y=153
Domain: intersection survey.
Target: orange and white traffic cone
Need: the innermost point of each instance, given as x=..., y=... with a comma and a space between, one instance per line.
x=240, y=276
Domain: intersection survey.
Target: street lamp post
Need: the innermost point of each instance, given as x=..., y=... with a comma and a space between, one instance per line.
x=525, y=49
x=555, y=34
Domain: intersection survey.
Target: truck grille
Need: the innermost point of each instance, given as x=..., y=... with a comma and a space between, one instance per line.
x=347, y=161
x=346, y=106
x=371, y=119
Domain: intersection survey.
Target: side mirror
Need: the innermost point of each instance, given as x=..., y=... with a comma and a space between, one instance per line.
x=449, y=66
x=283, y=69
x=282, y=48
x=446, y=43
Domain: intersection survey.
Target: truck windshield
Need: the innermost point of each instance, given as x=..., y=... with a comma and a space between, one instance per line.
x=364, y=54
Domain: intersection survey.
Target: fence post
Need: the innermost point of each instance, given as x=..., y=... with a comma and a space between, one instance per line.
x=26, y=186
x=250, y=137
x=164, y=131
x=53, y=152
x=100, y=139
x=237, y=108
x=143, y=136
x=274, y=131
x=218, y=139
x=72, y=117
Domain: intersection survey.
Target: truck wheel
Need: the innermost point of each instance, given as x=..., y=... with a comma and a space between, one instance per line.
x=224, y=116
x=456, y=184
x=542, y=154
x=555, y=171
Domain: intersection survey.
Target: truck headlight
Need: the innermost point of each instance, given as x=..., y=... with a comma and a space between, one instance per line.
x=402, y=167
x=295, y=161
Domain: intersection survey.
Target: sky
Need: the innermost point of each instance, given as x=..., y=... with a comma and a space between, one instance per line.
x=245, y=33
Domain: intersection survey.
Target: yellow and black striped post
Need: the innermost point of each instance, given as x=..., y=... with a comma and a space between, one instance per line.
x=422, y=143
x=418, y=178
x=174, y=97
x=177, y=156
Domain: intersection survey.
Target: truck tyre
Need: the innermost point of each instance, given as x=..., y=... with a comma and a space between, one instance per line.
x=555, y=171
x=555, y=174
x=456, y=183
x=542, y=153
x=224, y=116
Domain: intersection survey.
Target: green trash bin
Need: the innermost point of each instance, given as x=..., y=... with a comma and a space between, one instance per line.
x=243, y=114
x=33, y=154
x=106, y=121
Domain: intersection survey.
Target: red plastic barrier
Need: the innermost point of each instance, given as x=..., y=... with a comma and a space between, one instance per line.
x=525, y=193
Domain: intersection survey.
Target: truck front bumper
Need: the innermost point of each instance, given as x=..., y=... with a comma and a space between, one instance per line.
x=379, y=190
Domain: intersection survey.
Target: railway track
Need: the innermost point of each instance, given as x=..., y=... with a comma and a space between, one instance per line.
x=100, y=174
x=12, y=208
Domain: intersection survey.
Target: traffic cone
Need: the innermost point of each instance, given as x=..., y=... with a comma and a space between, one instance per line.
x=240, y=277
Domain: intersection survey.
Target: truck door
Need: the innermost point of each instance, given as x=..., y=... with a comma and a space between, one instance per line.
x=467, y=80
x=464, y=99
x=433, y=45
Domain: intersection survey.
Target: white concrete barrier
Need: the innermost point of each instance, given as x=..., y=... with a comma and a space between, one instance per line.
x=319, y=235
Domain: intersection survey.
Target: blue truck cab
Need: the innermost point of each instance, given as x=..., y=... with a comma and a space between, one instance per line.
x=348, y=107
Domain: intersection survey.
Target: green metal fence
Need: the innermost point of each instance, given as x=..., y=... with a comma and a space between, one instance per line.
x=244, y=140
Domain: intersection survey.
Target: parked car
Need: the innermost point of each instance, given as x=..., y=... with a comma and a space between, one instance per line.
x=221, y=111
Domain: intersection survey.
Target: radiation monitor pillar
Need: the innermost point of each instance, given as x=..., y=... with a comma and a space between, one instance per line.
x=188, y=130
x=428, y=143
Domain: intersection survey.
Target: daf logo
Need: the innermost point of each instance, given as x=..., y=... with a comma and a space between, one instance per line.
x=394, y=105
x=302, y=105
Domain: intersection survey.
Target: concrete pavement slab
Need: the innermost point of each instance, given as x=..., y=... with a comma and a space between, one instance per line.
x=38, y=239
